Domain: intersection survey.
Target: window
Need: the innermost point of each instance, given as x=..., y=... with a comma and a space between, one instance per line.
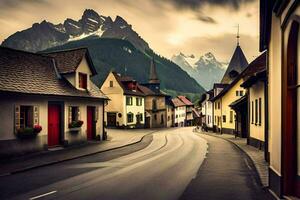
x=256, y=111
x=252, y=112
x=73, y=114
x=259, y=111
x=139, y=117
x=129, y=118
x=219, y=105
x=129, y=101
x=155, y=117
x=26, y=116
x=154, y=104
x=176, y=116
x=236, y=93
x=215, y=105
x=162, y=119
x=169, y=118
x=224, y=118
x=82, y=81
x=111, y=84
x=231, y=116
x=139, y=101
x=241, y=93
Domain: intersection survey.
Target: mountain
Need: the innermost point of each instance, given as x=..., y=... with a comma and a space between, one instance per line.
x=123, y=57
x=206, y=70
x=45, y=35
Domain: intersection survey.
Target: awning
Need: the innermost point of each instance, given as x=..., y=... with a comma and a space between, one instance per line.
x=241, y=102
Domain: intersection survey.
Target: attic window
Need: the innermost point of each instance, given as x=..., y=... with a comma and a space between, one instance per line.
x=82, y=81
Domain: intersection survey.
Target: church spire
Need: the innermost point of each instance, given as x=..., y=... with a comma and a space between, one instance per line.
x=238, y=35
x=153, y=75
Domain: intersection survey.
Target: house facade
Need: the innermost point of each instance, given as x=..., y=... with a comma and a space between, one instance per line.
x=255, y=84
x=279, y=35
x=189, y=110
x=126, y=108
x=48, y=100
x=179, y=112
x=207, y=109
x=170, y=112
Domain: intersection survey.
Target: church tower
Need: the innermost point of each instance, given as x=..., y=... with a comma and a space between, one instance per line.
x=237, y=63
x=153, y=83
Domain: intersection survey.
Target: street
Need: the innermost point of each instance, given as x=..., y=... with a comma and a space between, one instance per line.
x=162, y=170
x=169, y=164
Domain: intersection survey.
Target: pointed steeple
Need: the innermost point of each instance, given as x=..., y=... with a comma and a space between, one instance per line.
x=236, y=65
x=153, y=75
x=238, y=35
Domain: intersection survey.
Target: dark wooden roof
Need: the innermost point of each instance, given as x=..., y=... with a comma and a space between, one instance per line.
x=67, y=61
x=30, y=73
x=236, y=65
x=256, y=66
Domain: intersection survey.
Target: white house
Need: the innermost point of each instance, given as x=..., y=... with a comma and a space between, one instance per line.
x=179, y=112
x=126, y=107
x=47, y=100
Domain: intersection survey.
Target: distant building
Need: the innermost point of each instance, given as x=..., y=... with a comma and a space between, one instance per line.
x=155, y=100
x=170, y=110
x=207, y=109
x=179, y=112
x=189, y=110
x=48, y=100
x=126, y=107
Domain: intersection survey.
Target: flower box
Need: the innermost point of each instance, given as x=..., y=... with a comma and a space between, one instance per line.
x=75, y=124
x=28, y=132
x=74, y=130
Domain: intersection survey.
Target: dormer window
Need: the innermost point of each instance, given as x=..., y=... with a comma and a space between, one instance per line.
x=82, y=81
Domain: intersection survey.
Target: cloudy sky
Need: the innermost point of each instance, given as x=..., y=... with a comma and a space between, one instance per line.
x=169, y=26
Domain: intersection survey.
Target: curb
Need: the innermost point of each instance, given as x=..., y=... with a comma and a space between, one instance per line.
x=73, y=158
x=236, y=145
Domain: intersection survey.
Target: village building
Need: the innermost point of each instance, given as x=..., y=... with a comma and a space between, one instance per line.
x=279, y=35
x=126, y=108
x=225, y=119
x=48, y=100
x=155, y=101
x=255, y=83
x=179, y=112
x=170, y=110
x=207, y=109
x=189, y=110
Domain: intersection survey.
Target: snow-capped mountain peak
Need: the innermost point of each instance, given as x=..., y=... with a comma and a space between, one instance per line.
x=206, y=70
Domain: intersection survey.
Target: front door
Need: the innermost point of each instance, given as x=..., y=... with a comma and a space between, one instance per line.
x=291, y=178
x=91, y=123
x=111, y=119
x=53, y=125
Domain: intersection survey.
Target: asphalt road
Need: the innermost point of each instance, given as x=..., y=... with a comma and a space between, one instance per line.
x=226, y=174
x=159, y=170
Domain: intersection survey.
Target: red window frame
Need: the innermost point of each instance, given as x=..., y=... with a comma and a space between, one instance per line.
x=82, y=80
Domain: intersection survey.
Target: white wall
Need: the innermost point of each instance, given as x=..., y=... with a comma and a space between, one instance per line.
x=180, y=112
x=134, y=109
x=257, y=91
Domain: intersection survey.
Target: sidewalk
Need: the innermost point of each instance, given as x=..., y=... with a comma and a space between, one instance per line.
x=116, y=139
x=256, y=155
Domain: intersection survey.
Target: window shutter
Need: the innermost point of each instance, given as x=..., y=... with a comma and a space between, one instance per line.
x=17, y=117
x=78, y=113
x=96, y=113
x=70, y=114
x=35, y=115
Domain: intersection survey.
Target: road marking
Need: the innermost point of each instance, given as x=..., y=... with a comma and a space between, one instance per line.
x=42, y=195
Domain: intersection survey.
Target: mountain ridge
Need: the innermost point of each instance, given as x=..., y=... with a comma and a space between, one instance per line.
x=206, y=69
x=45, y=35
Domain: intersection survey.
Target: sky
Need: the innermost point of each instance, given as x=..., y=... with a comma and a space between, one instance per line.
x=169, y=26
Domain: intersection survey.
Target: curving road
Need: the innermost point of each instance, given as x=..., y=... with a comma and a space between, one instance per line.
x=162, y=170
